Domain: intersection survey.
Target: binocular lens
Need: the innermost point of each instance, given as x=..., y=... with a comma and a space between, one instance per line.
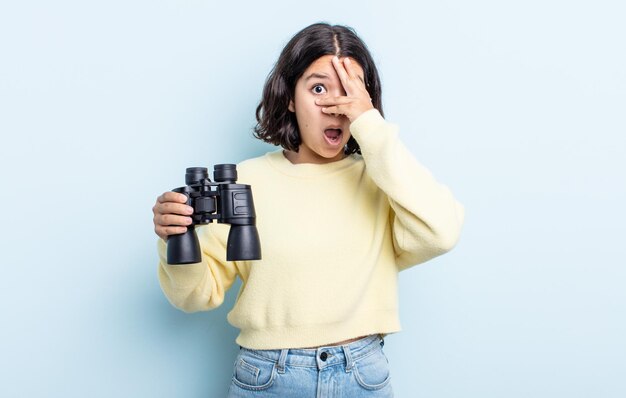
x=194, y=175
x=243, y=243
x=225, y=173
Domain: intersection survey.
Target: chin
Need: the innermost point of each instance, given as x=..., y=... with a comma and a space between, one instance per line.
x=334, y=154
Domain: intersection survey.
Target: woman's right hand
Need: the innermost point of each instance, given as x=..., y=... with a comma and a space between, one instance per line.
x=171, y=214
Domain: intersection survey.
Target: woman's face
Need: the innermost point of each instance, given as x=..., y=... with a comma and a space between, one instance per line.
x=323, y=136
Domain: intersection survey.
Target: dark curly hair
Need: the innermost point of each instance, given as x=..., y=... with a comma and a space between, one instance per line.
x=275, y=123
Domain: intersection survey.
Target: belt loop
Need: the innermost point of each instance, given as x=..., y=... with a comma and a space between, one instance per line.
x=282, y=360
x=348, y=354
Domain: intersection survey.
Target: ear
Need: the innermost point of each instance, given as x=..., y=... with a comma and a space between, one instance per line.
x=292, y=107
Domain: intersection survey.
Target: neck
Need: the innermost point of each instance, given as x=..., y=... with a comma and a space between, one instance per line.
x=299, y=158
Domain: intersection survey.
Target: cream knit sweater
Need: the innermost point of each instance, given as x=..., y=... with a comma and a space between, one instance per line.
x=333, y=238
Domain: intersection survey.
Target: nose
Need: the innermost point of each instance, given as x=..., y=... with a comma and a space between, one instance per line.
x=335, y=92
x=338, y=92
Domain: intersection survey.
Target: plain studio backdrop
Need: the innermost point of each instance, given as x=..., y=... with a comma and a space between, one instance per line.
x=519, y=107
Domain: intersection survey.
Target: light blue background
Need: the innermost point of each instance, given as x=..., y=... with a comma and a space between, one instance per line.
x=518, y=106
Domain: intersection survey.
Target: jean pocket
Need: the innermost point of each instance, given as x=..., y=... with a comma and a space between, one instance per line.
x=253, y=373
x=372, y=371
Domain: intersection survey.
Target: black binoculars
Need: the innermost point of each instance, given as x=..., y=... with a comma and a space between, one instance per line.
x=224, y=201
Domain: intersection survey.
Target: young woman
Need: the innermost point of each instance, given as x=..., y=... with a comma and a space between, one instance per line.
x=341, y=208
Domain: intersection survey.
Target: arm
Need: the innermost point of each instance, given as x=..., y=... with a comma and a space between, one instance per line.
x=426, y=219
x=200, y=286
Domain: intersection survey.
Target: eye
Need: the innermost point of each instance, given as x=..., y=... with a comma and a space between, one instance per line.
x=319, y=89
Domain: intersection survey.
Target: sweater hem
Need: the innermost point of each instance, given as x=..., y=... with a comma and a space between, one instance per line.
x=299, y=336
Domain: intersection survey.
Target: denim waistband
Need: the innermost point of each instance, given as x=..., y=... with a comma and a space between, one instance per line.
x=320, y=357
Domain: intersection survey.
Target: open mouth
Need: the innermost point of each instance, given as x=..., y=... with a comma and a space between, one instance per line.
x=333, y=136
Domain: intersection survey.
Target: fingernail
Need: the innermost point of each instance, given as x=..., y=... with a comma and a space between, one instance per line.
x=189, y=210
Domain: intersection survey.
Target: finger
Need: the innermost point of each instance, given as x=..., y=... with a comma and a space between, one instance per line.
x=351, y=69
x=333, y=101
x=172, y=220
x=351, y=110
x=342, y=73
x=170, y=196
x=164, y=232
x=334, y=110
x=354, y=73
x=173, y=208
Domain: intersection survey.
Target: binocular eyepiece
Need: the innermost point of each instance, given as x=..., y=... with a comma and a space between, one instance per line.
x=223, y=200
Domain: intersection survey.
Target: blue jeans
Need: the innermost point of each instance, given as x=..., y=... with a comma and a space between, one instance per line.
x=359, y=369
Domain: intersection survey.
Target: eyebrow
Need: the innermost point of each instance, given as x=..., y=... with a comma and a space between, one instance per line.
x=325, y=76
x=317, y=75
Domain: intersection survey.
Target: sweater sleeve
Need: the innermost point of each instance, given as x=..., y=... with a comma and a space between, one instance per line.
x=200, y=286
x=426, y=219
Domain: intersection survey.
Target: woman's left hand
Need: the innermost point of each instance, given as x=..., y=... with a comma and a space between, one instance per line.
x=356, y=101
